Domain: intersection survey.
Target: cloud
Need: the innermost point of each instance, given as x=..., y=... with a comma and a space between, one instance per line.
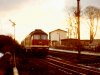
x=85, y=3
x=6, y=5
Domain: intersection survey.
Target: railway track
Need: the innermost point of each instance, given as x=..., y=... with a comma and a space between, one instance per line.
x=53, y=65
x=71, y=68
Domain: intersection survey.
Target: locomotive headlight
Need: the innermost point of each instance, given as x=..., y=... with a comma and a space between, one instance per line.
x=40, y=42
x=1, y=55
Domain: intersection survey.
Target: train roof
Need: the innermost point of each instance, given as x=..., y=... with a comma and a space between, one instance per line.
x=38, y=31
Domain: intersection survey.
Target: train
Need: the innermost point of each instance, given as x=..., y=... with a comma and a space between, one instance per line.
x=36, y=43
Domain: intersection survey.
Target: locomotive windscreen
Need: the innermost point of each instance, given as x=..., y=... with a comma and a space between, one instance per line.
x=44, y=37
x=37, y=37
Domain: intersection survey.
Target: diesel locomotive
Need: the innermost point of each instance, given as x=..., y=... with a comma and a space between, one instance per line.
x=37, y=42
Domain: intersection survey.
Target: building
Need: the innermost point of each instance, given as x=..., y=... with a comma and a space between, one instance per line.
x=56, y=36
x=70, y=43
x=73, y=43
x=59, y=38
x=88, y=45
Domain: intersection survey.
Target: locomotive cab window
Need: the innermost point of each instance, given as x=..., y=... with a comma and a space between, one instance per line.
x=43, y=37
x=36, y=37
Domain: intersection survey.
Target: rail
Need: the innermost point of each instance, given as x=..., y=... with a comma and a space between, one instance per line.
x=74, y=68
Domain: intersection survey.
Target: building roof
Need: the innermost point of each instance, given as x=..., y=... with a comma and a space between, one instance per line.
x=58, y=30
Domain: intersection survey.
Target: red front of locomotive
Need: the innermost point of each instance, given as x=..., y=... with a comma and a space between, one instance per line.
x=40, y=41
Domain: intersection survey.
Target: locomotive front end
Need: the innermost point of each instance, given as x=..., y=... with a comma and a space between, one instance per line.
x=37, y=43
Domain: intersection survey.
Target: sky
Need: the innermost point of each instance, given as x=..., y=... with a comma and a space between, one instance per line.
x=47, y=15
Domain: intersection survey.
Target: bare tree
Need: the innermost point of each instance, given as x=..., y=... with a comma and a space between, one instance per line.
x=72, y=22
x=92, y=13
